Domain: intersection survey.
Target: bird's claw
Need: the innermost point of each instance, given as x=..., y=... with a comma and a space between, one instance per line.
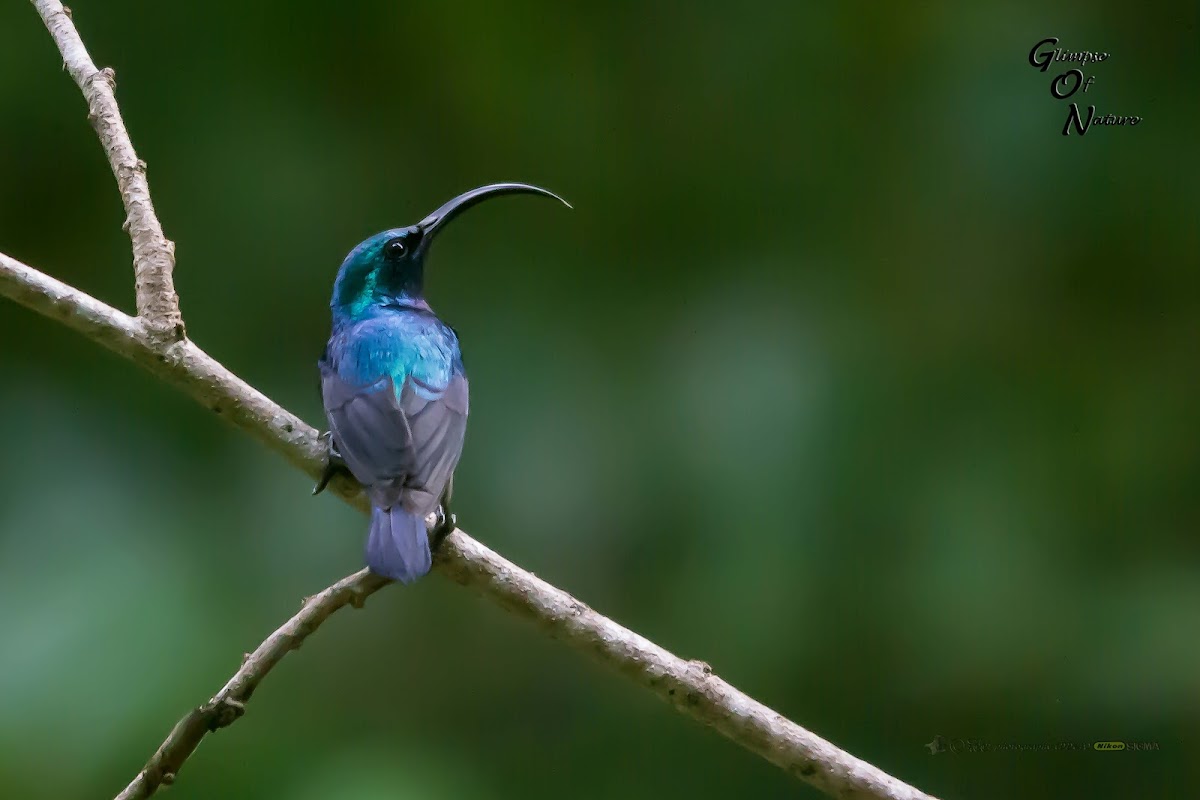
x=446, y=522
x=333, y=464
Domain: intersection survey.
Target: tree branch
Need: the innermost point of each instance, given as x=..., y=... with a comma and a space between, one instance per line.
x=153, y=253
x=229, y=703
x=689, y=686
x=156, y=341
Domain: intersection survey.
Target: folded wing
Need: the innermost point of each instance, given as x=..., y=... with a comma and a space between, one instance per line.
x=408, y=440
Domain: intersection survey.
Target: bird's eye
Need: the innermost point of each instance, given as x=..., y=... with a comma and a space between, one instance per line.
x=395, y=249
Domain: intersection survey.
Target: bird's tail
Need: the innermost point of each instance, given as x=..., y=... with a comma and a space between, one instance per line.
x=398, y=547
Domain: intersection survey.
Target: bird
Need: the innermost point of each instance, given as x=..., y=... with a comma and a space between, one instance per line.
x=395, y=391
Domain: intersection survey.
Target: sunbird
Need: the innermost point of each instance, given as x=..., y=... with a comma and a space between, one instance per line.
x=395, y=389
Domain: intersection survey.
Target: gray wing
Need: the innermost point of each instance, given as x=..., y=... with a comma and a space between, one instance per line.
x=437, y=425
x=411, y=442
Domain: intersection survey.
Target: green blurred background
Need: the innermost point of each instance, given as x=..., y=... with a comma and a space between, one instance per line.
x=848, y=374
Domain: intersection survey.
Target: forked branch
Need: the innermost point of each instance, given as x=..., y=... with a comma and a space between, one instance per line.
x=155, y=340
x=153, y=254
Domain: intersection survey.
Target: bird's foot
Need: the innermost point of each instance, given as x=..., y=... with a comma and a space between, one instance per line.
x=446, y=522
x=333, y=464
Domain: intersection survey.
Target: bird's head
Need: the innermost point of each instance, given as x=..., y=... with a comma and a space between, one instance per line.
x=390, y=266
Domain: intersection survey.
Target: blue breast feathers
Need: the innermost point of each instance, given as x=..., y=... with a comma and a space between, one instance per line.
x=397, y=343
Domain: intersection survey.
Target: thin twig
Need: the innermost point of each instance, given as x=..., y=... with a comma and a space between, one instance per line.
x=229, y=704
x=153, y=253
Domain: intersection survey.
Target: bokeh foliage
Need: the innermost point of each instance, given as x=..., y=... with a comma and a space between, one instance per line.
x=847, y=374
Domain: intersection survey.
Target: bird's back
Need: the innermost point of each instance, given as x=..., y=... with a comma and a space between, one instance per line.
x=398, y=342
x=396, y=397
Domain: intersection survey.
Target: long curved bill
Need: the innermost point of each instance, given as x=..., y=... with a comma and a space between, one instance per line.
x=452, y=208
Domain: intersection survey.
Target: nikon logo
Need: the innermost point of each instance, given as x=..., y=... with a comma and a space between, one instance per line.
x=1109, y=746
